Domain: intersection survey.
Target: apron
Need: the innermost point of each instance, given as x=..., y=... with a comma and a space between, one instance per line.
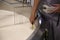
x=51, y=22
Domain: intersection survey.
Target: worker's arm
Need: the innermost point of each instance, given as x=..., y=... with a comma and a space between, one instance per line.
x=34, y=9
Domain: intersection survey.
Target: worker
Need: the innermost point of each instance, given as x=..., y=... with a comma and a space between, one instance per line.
x=50, y=10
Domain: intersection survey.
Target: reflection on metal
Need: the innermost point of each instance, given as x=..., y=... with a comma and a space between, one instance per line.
x=14, y=24
x=6, y=17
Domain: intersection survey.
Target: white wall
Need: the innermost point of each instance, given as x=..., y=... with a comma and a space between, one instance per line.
x=32, y=2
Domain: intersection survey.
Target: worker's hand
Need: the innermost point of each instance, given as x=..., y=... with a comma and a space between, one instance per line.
x=57, y=7
x=32, y=17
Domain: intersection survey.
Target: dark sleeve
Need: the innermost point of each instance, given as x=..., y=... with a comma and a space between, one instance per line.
x=55, y=1
x=58, y=1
